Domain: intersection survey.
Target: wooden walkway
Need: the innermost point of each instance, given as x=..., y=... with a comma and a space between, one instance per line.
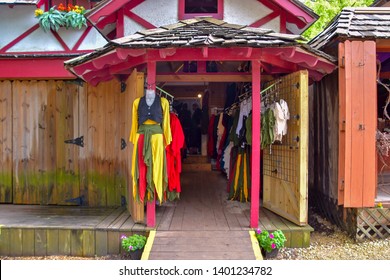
x=202, y=224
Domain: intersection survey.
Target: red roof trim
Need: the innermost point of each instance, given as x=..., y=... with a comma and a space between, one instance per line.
x=50, y=68
x=122, y=59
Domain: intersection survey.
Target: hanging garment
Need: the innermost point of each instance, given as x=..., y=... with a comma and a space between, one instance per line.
x=281, y=114
x=174, y=157
x=245, y=108
x=226, y=159
x=149, y=158
x=267, y=128
x=239, y=183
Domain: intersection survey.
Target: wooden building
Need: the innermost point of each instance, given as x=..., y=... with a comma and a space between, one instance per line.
x=349, y=178
x=65, y=139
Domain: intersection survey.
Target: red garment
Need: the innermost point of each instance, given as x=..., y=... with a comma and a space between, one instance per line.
x=142, y=168
x=174, y=154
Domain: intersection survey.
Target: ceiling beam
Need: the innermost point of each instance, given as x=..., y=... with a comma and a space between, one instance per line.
x=209, y=77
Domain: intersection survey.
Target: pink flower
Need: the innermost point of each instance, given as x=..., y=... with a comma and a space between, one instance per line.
x=123, y=236
x=273, y=246
x=271, y=236
x=130, y=248
x=258, y=231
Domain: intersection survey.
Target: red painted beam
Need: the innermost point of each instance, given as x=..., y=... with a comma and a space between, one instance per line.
x=107, y=9
x=265, y=19
x=255, y=168
x=125, y=66
x=30, y=68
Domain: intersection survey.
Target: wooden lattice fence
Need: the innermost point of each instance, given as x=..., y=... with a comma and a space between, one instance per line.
x=373, y=223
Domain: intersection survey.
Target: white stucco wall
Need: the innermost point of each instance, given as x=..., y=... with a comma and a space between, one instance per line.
x=244, y=12
x=158, y=13
x=93, y=40
x=273, y=24
x=130, y=26
x=16, y=21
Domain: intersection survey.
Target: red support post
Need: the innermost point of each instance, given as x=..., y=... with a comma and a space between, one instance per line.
x=255, y=179
x=151, y=206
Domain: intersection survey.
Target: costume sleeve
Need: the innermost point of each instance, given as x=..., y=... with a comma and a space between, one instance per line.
x=166, y=126
x=134, y=121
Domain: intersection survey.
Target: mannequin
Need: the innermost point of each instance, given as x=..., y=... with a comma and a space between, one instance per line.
x=150, y=134
x=150, y=95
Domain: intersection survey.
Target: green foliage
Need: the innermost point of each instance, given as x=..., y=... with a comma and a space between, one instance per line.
x=327, y=10
x=133, y=242
x=54, y=18
x=270, y=241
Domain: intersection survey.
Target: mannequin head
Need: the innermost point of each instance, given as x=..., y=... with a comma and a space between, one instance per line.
x=150, y=94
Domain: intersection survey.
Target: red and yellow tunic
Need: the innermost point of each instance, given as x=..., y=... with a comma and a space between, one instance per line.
x=150, y=138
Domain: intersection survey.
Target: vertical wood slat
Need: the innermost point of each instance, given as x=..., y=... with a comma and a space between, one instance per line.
x=53, y=244
x=357, y=120
x=82, y=130
x=76, y=242
x=5, y=241
x=40, y=242
x=360, y=124
x=88, y=243
x=16, y=242
x=67, y=128
x=64, y=238
x=343, y=59
x=92, y=142
x=370, y=124
x=47, y=125
x=348, y=125
x=6, y=142
x=302, y=196
x=28, y=236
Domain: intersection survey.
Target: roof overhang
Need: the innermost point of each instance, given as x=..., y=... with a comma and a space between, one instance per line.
x=120, y=61
x=201, y=39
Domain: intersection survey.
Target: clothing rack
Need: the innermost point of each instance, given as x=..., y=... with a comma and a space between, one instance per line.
x=163, y=93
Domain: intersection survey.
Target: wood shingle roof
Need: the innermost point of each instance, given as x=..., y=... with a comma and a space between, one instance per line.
x=201, y=32
x=364, y=23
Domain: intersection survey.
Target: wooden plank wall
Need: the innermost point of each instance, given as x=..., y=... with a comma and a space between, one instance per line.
x=38, y=167
x=5, y=142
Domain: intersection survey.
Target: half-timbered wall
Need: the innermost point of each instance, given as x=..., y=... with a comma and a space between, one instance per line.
x=65, y=143
x=151, y=13
x=21, y=33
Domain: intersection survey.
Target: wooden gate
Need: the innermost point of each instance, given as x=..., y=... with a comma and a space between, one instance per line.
x=285, y=165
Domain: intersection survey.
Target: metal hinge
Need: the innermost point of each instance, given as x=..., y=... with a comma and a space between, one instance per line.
x=78, y=200
x=123, y=144
x=79, y=141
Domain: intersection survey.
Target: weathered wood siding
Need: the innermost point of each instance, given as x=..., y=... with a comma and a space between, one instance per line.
x=323, y=143
x=39, y=167
x=5, y=142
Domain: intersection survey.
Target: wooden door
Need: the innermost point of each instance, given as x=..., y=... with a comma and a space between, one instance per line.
x=285, y=165
x=357, y=179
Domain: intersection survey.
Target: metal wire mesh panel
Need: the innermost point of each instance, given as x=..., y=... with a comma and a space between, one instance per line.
x=285, y=161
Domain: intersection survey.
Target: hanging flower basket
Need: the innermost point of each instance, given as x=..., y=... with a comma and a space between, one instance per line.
x=70, y=16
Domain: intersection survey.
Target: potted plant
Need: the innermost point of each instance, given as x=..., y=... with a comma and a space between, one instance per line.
x=133, y=245
x=54, y=18
x=270, y=243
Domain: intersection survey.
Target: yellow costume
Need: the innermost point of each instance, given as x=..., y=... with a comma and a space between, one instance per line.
x=156, y=137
